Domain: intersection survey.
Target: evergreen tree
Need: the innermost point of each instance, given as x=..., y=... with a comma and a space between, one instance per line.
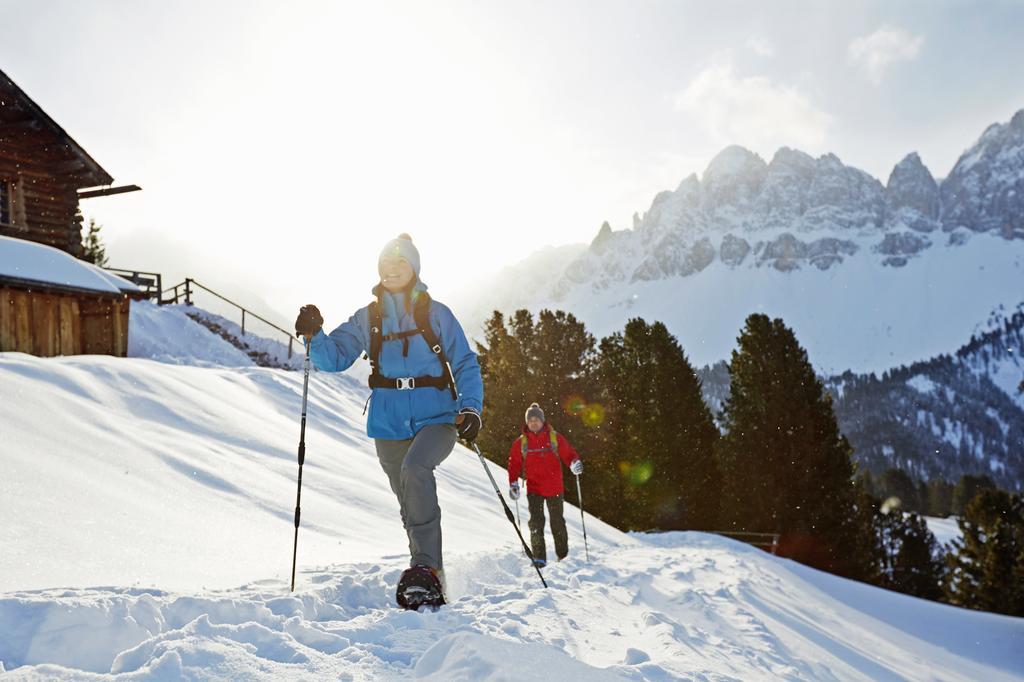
x=915, y=563
x=868, y=482
x=896, y=483
x=507, y=371
x=786, y=468
x=548, y=361
x=940, y=498
x=661, y=428
x=966, y=489
x=987, y=564
x=93, y=248
x=866, y=540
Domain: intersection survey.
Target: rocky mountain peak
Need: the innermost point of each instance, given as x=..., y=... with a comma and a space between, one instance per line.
x=912, y=196
x=985, y=190
x=733, y=162
x=799, y=211
x=732, y=182
x=1017, y=122
x=790, y=160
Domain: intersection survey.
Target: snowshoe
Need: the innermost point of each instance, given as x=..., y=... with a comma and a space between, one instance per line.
x=419, y=586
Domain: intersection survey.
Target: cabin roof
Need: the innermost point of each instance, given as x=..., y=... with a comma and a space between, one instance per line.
x=24, y=263
x=22, y=109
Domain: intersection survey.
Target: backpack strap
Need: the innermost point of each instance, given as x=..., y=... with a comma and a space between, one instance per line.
x=376, y=339
x=553, y=448
x=421, y=313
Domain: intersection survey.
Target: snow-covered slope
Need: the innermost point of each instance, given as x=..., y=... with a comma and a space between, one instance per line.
x=953, y=414
x=870, y=276
x=945, y=530
x=169, y=334
x=147, y=533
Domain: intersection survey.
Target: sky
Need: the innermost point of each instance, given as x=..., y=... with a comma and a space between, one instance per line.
x=279, y=145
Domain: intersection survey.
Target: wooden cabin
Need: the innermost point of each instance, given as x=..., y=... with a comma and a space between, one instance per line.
x=52, y=303
x=43, y=174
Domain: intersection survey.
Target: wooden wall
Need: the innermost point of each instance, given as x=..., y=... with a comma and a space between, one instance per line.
x=62, y=324
x=44, y=205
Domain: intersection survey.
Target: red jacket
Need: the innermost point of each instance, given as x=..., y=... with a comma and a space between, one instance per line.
x=543, y=470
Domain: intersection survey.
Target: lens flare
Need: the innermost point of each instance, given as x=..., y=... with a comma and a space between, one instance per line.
x=641, y=473
x=575, y=405
x=636, y=473
x=593, y=415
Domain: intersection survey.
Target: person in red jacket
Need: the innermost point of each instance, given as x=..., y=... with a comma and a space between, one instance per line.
x=542, y=450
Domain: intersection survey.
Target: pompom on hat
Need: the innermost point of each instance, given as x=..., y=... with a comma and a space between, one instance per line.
x=534, y=411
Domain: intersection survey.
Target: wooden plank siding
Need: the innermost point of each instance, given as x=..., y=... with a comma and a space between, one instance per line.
x=48, y=324
x=44, y=195
x=44, y=206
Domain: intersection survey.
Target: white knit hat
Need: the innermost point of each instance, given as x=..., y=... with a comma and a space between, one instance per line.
x=402, y=247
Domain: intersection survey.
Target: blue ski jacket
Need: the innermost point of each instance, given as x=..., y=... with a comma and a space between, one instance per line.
x=399, y=414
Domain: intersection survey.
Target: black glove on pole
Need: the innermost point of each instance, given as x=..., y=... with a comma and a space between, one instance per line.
x=508, y=512
x=470, y=426
x=302, y=458
x=583, y=521
x=309, y=321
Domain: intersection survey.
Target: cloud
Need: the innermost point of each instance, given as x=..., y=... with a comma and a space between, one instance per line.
x=875, y=52
x=752, y=110
x=762, y=47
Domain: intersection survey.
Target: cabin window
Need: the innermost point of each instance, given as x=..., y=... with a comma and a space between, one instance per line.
x=5, y=202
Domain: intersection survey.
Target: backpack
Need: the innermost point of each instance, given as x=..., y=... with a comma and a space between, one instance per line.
x=421, y=313
x=552, y=448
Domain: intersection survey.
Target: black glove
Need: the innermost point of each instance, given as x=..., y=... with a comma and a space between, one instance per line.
x=469, y=424
x=309, y=321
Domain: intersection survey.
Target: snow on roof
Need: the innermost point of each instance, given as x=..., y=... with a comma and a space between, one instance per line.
x=32, y=262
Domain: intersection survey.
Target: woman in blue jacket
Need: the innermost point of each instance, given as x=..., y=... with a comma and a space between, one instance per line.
x=426, y=391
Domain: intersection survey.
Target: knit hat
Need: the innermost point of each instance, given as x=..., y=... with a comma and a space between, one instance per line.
x=535, y=411
x=402, y=247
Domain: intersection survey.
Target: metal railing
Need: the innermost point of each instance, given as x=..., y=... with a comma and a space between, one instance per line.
x=184, y=291
x=152, y=282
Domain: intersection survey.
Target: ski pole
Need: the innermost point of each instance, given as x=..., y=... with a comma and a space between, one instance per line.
x=519, y=519
x=302, y=458
x=583, y=521
x=508, y=513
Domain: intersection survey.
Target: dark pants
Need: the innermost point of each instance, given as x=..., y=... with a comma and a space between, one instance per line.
x=410, y=466
x=558, y=530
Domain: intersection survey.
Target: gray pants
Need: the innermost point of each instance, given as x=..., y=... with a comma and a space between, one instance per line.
x=410, y=466
x=558, y=531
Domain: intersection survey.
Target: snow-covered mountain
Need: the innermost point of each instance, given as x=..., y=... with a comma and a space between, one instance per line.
x=954, y=414
x=147, y=534
x=871, y=276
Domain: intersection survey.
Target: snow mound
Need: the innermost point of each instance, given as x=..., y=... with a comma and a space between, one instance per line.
x=679, y=606
x=167, y=334
x=31, y=262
